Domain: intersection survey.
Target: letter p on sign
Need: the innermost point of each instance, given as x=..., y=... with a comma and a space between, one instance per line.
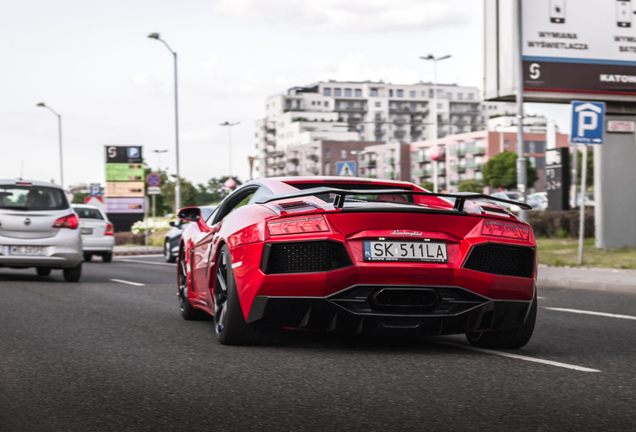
x=587, y=122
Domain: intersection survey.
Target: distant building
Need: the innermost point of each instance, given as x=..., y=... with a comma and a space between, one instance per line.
x=321, y=158
x=365, y=111
x=466, y=155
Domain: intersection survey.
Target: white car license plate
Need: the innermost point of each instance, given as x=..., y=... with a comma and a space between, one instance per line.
x=27, y=250
x=405, y=251
x=86, y=231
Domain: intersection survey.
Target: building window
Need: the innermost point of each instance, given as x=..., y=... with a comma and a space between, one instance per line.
x=390, y=93
x=350, y=105
x=439, y=106
x=327, y=168
x=506, y=143
x=378, y=104
x=374, y=92
x=313, y=102
x=470, y=96
x=327, y=153
x=362, y=128
x=343, y=154
x=358, y=92
x=460, y=96
x=400, y=93
x=412, y=93
x=337, y=92
x=326, y=103
x=326, y=91
x=413, y=106
x=347, y=92
x=449, y=96
x=431, y=93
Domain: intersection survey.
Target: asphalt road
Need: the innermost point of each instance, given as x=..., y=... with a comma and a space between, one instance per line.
x=109, y=356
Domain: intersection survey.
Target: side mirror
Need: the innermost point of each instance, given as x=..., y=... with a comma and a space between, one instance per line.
x=189, y=214
x=171, y=223
x=193, y=214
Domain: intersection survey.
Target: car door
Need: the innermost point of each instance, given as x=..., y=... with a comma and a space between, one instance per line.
x=206, y=244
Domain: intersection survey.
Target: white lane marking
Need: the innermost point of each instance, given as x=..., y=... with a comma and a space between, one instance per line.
x=128, y=282
x=159, y=254
x=603, y=314
x=145, y=262
x=520, y=357
x=541, y=298
x=238, y=264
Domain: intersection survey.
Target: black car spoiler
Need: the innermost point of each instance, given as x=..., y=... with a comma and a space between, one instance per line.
x=338, y=202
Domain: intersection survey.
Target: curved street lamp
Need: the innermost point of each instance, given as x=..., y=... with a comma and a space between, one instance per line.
x=230, y=136
x=177, y=189
x=59, y=127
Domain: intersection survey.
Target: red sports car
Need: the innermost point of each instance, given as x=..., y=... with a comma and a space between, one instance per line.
x=358, y=256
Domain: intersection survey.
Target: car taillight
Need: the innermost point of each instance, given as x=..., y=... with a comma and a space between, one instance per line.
x=501, y=229
x=109, y=229
x=297, y=226
x=68, y=221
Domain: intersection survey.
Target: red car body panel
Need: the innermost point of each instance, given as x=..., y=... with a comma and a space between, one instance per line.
x=245, y=232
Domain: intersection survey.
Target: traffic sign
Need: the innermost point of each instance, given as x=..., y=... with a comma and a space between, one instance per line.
x=587, y=122
x=153, y=190
x=153, y=179
x=347, y=168
x=95, y=190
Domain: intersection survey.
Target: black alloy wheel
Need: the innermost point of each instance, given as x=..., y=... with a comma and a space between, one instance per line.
x=220, y=294
x=188, y=312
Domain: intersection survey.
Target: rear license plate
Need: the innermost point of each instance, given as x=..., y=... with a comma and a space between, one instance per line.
x=27, y=250
x=405, y=251
x=86, y=231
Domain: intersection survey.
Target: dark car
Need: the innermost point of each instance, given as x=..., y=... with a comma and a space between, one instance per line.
x=171, y=243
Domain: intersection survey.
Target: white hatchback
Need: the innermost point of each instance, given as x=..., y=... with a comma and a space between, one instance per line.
x=38, y=228
x=97, y=232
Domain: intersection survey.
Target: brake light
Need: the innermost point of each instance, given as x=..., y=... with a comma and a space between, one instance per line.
x=501, y=229
x=109, y=229
x=297, y=226
x=68, y=221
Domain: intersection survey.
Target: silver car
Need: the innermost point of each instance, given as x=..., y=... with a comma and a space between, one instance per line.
x=98, y=237
x=38, y=228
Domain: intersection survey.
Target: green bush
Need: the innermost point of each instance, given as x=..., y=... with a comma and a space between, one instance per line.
x=560, y=224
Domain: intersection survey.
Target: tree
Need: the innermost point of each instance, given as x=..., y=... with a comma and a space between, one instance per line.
x=470, y=186
x=429, y=186
x=78, y=198
x=501, y=171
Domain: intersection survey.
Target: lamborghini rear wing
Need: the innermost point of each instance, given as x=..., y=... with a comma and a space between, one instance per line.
x=340, y=194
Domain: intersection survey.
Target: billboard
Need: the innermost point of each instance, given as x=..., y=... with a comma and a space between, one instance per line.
x=125, y=189
x=124, y=205
x=572, y=49
x=123, y=154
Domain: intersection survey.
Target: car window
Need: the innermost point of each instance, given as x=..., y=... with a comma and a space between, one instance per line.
x=88, y=213
x=260, y=193
x=237, y=199
x=32, y=198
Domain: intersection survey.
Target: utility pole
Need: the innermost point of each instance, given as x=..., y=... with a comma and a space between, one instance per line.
x=230, y=140
x=522, y=175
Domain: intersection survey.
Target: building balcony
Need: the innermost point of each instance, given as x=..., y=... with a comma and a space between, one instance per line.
x=378, y=132
x=476, y=151
x=403, y=110
x=368, y=163
x=287, y=109
x=458, y=152
x=389, y=160
x=368, y=175
x=458, y=168
x=454, y=182
x=313, y=157
x=274, y=154
x=418, y=173
x=313, y=170
x=400, y=133
x=416, y=132
x=475, y=166
x=391, y=175
x=351, y=109
x=429, y=171
x=400, y=121
x=293, y=160
x=280, y=164
x=293, y=172
x=422, y=158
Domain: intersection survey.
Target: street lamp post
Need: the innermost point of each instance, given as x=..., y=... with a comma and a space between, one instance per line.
x=435, y=60
x=159, y=156
x=59, y=128
x=177, y=189
x=230, y=137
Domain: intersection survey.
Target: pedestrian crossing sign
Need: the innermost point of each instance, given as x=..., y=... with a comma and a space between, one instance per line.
x=347, y=169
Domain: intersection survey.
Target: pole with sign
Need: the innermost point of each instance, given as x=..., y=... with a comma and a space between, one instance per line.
x=153, y=181
x=588, y=119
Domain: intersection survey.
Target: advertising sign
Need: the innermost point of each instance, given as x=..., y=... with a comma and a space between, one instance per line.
x=569, y=48
x=123, y=154
x=124, y=189
x=557, y=178
x=124, y=205
x=124, y=172
x=587, y=122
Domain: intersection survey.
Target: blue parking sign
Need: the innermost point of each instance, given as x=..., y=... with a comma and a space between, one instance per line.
x=134, y=152
x=588, y=119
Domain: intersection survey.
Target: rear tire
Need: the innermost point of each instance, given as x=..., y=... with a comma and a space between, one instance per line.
x=73, y=274
x=229, y=321
x=88, y=257
x=512, y=338
x=167, y=252
x=107, y=257
x=188, y=312
x=43, y=271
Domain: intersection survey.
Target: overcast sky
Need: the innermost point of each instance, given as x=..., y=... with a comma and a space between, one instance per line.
x=93, y=64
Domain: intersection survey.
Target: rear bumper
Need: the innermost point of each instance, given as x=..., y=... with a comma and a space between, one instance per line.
x=352, y=311
x=105, y=244
x=61, y=251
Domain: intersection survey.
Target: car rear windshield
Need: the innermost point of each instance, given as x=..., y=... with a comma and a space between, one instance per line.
x=88, y=213
x=32, y=198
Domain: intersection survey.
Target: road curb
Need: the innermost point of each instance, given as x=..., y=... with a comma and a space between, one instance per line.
x=595, y=279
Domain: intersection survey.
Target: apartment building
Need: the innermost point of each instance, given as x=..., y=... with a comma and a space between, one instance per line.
x=323, y=158
x=365, y=111
x=466, y=154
